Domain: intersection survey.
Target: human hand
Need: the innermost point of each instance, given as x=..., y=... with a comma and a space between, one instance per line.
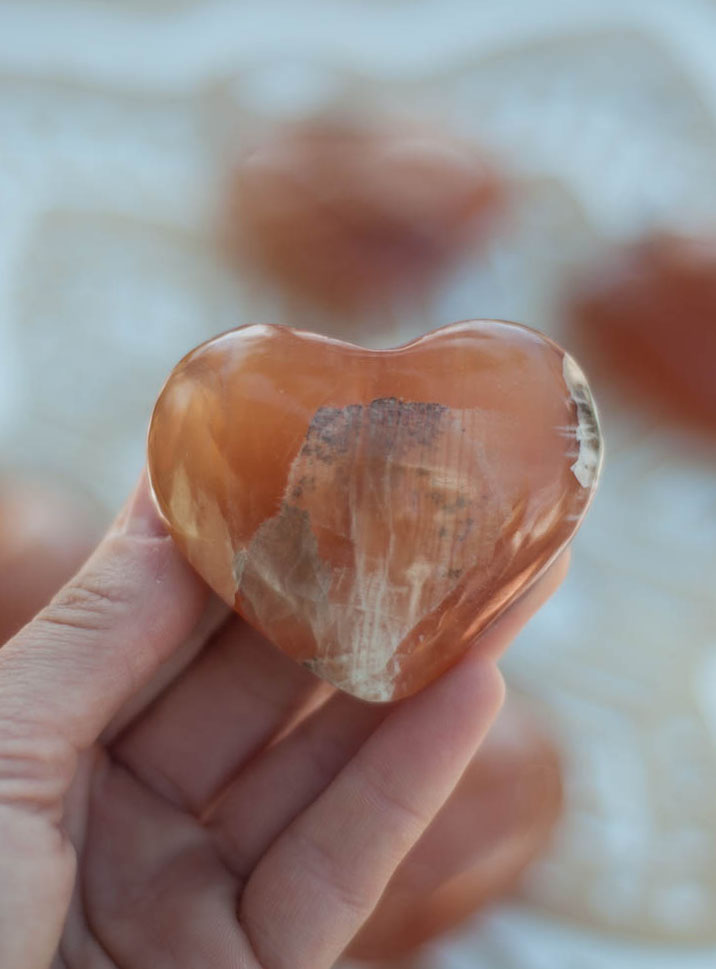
x=174, y=795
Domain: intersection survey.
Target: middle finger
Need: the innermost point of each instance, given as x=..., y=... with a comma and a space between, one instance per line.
x=215, y=717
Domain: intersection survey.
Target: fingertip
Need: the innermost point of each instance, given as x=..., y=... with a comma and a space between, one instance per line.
x=140, y=517
x=559, y=568
x=481, y=686
x=498, y=688
x=545, y=587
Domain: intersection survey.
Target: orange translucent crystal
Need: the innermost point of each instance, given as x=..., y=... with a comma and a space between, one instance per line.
x=371, y=512
x=347, y=214
x=497, y=820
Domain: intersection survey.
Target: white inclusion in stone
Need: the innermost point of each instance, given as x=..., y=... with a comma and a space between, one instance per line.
x=589, y=460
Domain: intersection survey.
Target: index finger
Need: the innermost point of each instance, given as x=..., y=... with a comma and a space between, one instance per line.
x=104, y=634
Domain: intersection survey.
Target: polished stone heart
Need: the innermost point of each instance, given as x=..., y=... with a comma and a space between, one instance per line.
x=371, y=512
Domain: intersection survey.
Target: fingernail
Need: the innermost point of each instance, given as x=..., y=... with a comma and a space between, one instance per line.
x=140, y=516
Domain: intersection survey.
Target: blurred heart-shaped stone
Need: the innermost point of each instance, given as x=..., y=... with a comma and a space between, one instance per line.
x=371, y=512
x=350, y=215
x=625, y=310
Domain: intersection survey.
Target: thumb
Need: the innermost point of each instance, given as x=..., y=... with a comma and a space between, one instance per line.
x=62, y=678
x=103, y=635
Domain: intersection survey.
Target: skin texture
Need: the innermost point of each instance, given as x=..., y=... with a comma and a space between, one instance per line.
x=133, y=715
x=498, y=818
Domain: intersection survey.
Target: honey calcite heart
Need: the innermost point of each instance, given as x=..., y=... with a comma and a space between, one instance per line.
x=371, y=512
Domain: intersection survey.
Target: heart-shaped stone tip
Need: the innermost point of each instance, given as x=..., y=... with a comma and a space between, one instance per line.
x=371, y=512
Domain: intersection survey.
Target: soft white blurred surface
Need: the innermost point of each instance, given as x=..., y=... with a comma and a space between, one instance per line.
x=115, y=121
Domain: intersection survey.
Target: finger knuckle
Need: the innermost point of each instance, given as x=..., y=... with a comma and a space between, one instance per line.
x=396, y=809
x=92, y=602
x=35, y=764
x=324, y=866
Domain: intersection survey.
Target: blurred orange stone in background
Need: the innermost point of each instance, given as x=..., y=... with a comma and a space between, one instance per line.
x=348, y=215
x=371, y=512
x=498, y=819
x=46, y=532
x=650, y=318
